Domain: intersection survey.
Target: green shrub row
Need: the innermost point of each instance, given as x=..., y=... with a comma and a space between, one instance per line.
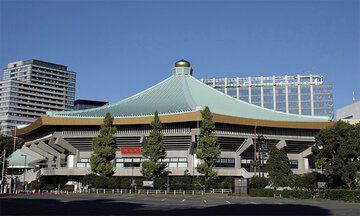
x=262, y=192
x=333, y=194
x=341, y=194
x=176, y=182
x=284, y=193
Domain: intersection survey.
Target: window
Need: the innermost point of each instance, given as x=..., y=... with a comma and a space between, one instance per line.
x=247, y=164
x=84, y=163
x=128, y=162
x=294, y=164
x=176, y=161
x=225, y=162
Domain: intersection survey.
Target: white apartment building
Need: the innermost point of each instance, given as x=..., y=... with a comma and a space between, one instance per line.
x=30, y=88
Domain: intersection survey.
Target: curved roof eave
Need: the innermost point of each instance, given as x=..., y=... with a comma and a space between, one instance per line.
x=171, y=118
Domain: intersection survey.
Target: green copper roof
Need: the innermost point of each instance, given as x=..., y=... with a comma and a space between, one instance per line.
x=182, y=93
x=17, y=159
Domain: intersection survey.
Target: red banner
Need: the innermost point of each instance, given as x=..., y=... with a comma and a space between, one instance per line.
x=130, y=150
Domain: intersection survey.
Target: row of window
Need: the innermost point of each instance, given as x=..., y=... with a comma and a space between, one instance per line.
x=248, y=165
x=182, y=162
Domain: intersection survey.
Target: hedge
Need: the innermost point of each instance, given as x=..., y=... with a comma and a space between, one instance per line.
x=333, y=194
x=341, y=194
x=261, y=192
x=284, y=193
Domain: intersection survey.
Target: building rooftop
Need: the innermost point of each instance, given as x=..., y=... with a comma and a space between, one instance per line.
x=182, y=93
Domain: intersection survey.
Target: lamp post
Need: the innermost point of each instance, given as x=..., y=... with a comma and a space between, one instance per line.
x=24, y=169
x=168, y=180
x=12, y=168
x=2, y=173
x=255, y=160
x=14, y=139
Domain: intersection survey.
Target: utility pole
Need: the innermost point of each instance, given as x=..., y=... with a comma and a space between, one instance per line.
x=255, y=161
x=14, y=139
x=24, y=169
x=12, y=168
x=2, y=174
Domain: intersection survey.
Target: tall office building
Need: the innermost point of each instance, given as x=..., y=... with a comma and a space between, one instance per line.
x=30, y=88
x=301, y=94
x=350, y=113
x=81, y=104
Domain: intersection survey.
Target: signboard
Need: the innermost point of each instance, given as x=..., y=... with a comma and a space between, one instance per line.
x=148, y=183
x=321, y=185
x=130, y=150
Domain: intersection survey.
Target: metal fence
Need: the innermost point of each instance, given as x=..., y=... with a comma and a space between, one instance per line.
x=128, y=191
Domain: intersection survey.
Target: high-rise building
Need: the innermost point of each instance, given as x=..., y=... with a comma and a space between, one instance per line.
x=301, y=94
x=88, y=104
x=350, y=113
x=30, y=88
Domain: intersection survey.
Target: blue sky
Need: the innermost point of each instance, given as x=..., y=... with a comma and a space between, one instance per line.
x=119, y=48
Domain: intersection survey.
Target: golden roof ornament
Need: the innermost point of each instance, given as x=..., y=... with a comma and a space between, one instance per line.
x=182, y=63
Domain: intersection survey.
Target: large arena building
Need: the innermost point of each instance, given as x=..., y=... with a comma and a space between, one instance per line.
x=59, y=144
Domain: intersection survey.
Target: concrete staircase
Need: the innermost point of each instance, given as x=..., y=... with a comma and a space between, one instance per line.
x=30, y=176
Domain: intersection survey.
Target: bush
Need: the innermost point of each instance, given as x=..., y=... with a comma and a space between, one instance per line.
x=93, y=180
x=262, y=192
x=255, y=192
x=341, y=194
x=101, y=182
x=198, y=183
x=160, y=183
x=88, y=180
x=114, y=182
x=125, y=182
x=258, y=182
x=226, y=183
x=306, y=181
x=300, y=194
x=181, y=183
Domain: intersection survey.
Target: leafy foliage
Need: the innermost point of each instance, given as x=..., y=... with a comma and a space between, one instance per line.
x=258, y=182
x=261, y=192
x=278, y=167
x=226, y=183
x=306, y=181
x=181, y=183
x=154, y=151
x=93, y=180
x=208, y=149
x=104, y=148
x=337, y=151
x=7, y=144
x=341, y=194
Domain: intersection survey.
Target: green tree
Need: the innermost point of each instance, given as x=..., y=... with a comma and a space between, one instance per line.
x=103, y=147
x=307, y=181
x=154, y=151
x=7, y=144
x=337, y=149
x=208, y=149
x=258, y=182
x=278, y=167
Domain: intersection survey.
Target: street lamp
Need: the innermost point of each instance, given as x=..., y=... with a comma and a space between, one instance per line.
x=168, y=172
x=3, y=172
x=14, y=139
x=24, y=169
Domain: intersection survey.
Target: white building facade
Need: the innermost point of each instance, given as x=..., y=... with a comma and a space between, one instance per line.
x=300, y=94
x=30, y=88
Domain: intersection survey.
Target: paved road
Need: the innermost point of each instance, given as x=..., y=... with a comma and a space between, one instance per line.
x=168, y=205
